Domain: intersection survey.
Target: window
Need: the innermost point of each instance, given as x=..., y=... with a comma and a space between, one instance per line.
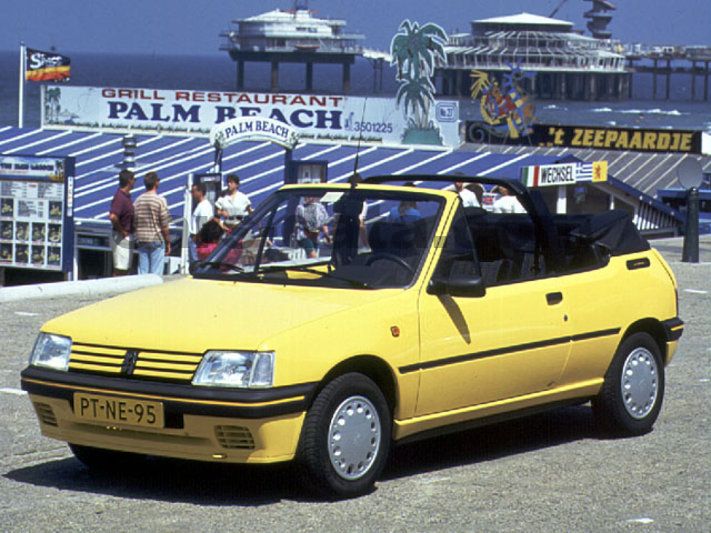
x=458, y=255
x=506, y=246
x=501, y=247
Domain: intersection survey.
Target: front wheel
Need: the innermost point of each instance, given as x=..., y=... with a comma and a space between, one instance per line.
x=346, y=437
x=631, y=396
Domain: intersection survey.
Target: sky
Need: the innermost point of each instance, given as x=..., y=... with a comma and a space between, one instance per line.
x=192, y=27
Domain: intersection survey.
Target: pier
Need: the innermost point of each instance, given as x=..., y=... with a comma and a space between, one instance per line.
x=696, y=61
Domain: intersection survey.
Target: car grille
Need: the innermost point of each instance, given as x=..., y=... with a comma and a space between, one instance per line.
x=45, y=414
x=234, y=437
x=136, y=363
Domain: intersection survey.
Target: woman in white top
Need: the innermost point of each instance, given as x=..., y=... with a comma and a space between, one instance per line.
x=234, y=205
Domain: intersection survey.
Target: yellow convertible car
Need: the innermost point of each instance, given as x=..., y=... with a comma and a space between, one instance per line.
x=339, y=319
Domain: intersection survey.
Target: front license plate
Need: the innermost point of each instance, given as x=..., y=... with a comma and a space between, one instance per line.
x=118, y=410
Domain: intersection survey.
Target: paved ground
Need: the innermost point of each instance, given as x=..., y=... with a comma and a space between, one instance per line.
x=548, y=473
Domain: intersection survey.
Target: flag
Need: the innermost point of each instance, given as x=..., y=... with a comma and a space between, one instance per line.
x=599, y=171
x=46, y=66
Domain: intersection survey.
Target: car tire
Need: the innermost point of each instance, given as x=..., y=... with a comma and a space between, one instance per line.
x=631, y=396
x=345, y=439
x=102, y=460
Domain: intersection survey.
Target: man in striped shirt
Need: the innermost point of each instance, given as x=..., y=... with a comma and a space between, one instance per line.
x=151, y=223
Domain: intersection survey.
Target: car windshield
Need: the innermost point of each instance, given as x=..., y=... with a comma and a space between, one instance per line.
x=342, y=238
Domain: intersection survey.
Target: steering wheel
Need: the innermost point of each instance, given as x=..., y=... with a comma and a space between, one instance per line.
x=390, y=257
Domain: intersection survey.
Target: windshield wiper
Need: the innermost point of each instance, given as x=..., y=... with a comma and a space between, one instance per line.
x=325, y=273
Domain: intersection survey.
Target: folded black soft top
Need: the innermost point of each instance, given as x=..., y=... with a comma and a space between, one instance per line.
x=613, y=230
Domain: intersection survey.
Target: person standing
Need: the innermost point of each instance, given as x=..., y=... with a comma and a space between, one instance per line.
x=202, y=213
x=311, y=219
x=121, y=217
x=234, y=205
x=151, y=221
x=468, y=197
x=507, y=202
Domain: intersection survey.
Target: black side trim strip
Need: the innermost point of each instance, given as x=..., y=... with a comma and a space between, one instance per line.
x=635, y=264
x=487, y=421
x=673, y=328
x=595, y=334
x=178, y=390
x=506, y=350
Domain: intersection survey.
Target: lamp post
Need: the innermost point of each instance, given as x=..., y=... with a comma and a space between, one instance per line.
x=129, y=151
x=690, y=175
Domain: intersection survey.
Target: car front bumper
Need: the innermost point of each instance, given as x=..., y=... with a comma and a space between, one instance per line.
x=201, y=423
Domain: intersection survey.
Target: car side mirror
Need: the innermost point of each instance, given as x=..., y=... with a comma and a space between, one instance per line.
x=458, y=285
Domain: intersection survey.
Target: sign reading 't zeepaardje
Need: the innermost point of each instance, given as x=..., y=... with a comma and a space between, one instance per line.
x=600, y=138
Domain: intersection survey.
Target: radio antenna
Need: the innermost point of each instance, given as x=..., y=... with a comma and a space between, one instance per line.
x=355, y=178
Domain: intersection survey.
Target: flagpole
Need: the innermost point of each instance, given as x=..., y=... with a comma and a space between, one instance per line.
x=21, y=102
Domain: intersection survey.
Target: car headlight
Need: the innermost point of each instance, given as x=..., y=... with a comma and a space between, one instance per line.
x=236, y=369
x=51, y=351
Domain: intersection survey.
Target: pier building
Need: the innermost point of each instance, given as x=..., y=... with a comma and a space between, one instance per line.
x=565, y=64
x=292, y=36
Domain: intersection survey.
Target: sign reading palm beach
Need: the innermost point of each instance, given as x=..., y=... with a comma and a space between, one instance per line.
x=251, y=128
x=329, y=117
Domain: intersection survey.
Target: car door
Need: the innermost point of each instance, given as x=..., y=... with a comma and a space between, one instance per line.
x=511, y=342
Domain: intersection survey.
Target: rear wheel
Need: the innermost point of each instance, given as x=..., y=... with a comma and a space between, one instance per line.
x=104, y=460
x=346, y=437
x=631, y=396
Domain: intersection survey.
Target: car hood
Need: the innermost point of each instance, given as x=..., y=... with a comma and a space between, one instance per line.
x=193, y=315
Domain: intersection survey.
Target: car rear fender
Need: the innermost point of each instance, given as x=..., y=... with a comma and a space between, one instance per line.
x=653, y=327
x=671, y=275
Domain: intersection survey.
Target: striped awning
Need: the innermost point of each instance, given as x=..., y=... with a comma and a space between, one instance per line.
x=260, y=165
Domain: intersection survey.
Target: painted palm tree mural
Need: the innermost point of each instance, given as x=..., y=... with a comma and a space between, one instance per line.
x=51, y=104
x=415, y=50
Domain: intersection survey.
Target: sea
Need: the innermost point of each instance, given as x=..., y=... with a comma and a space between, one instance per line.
x=218, y=73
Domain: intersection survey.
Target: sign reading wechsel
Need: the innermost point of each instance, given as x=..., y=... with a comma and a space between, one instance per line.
x=339, y=118
x=253, y=128
x=564, y=174
x=601, y=138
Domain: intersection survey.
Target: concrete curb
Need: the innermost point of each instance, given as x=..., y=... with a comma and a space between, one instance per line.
x=90, y=287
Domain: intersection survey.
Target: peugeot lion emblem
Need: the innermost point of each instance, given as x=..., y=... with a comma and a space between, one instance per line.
x=129, y=362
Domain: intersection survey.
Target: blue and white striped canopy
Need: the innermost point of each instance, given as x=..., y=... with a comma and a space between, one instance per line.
x=260, y=165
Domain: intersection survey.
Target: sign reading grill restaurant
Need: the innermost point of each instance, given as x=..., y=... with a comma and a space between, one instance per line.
x=564, y=174
x=327, y=117
x=598, y=138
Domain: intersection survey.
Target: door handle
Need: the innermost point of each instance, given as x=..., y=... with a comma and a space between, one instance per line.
x=554, y=298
